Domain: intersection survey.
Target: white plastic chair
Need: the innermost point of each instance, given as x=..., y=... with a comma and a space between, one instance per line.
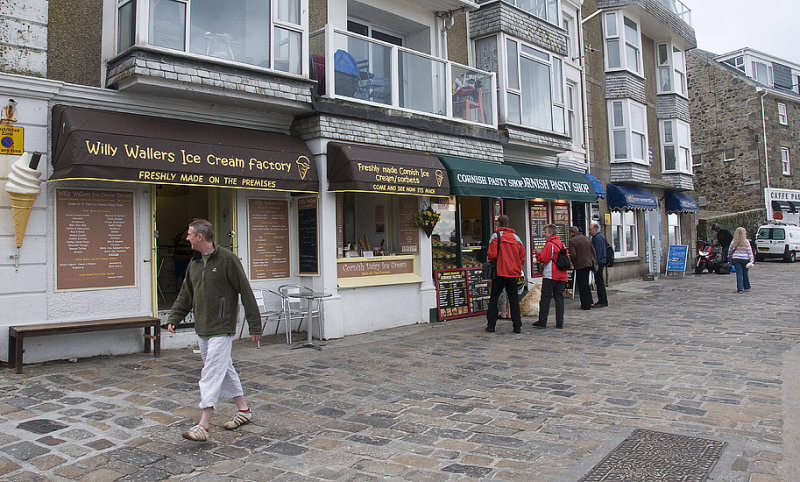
x=265, y=313
x=296, y=308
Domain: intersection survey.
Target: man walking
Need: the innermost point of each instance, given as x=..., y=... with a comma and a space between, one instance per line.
x=581, y=253
x=599, y=243
x=214, y=281
x=506, y=249
x=554, y=280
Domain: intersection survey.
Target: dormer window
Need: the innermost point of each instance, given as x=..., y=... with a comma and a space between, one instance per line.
x=762, y=73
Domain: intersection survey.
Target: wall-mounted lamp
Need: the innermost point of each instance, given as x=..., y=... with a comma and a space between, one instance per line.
x=9, y=112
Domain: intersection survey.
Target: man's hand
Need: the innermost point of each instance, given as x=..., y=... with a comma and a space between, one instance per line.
x=255, y=338
x=170, y=328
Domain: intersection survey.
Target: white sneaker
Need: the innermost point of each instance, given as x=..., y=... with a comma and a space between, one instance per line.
x=198, y=433
x=238, y=420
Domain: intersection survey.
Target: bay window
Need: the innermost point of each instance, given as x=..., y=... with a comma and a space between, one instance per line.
x=622, y=43
x=624, y=233
x=534, y=87
x=267, y=34
x=676, y=146
x=547, y=10
x=627, y=122
x=671, y=65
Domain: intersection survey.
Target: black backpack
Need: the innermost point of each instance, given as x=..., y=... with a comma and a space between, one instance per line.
x=609, y=255
x=562, y=261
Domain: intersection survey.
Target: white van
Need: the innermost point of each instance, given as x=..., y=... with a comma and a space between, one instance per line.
x=778, y=241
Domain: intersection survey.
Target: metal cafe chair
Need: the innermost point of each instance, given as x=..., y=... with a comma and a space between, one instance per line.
x=265, y=314
x=296, y=308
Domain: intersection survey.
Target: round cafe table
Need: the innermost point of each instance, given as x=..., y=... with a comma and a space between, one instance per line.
x=309, y=296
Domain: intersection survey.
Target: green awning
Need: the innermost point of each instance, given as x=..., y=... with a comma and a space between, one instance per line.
x=469, y=177
x=551, y=183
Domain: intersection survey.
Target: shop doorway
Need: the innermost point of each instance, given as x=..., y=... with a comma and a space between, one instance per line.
x=175, y=207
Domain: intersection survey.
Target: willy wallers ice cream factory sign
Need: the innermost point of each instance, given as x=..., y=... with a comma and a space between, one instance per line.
x=232, y=171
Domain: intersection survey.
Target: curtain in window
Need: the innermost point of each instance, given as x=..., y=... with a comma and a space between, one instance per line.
x=536, y=99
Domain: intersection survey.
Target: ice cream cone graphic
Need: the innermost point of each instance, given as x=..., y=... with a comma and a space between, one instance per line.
x=303, y=165
x=23, y=188
x=439, y=177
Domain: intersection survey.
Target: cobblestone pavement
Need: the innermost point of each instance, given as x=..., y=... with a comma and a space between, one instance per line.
x=441, y=401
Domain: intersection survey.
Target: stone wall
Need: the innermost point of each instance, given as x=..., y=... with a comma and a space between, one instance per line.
x=495, y=17
x=726, y=115
x=74, y=41
x=401, y=137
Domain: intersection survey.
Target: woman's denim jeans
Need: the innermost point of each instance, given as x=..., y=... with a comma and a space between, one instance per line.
x=742, y=276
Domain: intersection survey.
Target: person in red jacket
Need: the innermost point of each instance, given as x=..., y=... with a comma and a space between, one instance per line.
x=506, y=249
x=554, y=280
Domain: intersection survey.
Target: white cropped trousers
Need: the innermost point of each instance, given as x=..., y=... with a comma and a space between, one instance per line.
x=219, y=379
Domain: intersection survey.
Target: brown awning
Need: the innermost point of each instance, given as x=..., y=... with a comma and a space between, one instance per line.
x=353, y=167
x=98, y=144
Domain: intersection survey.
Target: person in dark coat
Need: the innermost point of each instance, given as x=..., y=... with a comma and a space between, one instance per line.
x=581, y=253
x=724, y=238
x=507, y=250
x=599, y=243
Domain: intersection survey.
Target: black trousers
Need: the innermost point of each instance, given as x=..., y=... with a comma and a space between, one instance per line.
x=555, y=290
x=600, y=282
x=582, y=280
x=499, y=284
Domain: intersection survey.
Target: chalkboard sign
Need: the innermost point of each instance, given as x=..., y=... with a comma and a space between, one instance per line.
x=460, y=293
x=307, y=235
x=676, y=259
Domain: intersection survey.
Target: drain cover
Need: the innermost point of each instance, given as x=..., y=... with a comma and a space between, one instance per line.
x=41, y=426
x=649, y=455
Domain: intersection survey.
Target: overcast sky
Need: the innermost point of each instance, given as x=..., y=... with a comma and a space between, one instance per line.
x=770, y=26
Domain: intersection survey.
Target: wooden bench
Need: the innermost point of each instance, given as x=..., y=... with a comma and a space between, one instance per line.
x=17, y=334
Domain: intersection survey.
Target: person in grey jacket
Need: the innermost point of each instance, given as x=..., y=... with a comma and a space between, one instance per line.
x=214, y=281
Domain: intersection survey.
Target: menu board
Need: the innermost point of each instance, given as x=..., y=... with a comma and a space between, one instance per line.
x=268, y=221
x=562, y=221
x=94, y=239
x=538, y=211
x=461, y=293
x=307, y=235
x=409, y=234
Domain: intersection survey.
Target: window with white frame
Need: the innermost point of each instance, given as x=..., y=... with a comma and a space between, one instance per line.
x=674, y=229
x=261, y=33
x=568, y=23
x=782, y=117
x=728, y=154
x=785, y=164
x=762, y=73
x=671, y=69
x=737, y=62
x=676, y=146
x=627, y=122
x=624, y=233
x=572, y=128
x=545, y=9
x=534, y=87
x=622, y=42
x=796, y=84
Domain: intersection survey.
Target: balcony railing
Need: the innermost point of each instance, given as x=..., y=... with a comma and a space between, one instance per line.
x=357, y=68
x=678, y=8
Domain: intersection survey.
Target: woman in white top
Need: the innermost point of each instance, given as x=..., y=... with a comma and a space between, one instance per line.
x=741, y=255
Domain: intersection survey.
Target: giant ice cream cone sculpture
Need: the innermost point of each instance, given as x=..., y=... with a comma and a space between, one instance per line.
x=23, y=187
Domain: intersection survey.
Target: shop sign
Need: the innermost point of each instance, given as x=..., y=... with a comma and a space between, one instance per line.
x=11, y=140
x=374, y=267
